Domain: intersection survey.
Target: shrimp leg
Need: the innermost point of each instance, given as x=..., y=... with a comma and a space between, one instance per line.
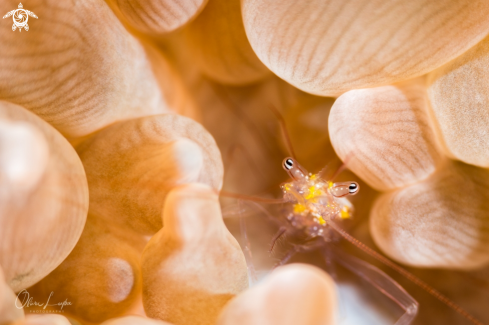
x=411, y=277
x=247, y=250
x=298, y=249
x=384, y=283
x=279, y=234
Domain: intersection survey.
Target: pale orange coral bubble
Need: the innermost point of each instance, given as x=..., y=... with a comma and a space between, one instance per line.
x=386, y=132
x=132, y=165
x=193, y=265
x=104, y=263
x=442, y=221
x=159, y=16
x=78, y=68
x=329, y=47
x=134, y=320
x=47, y=319
x=44, y=197
x=292, y=294
x=459, y=96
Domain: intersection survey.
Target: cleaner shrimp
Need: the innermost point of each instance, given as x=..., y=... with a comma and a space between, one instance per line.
x=314, y=208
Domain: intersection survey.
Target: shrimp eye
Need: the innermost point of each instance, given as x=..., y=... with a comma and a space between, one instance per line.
x=353, y=188
x=288, y=164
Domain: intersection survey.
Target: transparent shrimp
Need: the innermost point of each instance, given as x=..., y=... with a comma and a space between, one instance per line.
x=315, y=206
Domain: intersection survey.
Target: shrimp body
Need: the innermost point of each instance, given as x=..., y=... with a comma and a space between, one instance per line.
x=315, y=201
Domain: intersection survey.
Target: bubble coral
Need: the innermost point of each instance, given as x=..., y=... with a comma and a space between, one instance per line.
x=108, y=98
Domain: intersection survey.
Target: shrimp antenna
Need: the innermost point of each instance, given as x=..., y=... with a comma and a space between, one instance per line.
x=250, y=198
x=411, y=277
x=283, y=127
x=343, y=166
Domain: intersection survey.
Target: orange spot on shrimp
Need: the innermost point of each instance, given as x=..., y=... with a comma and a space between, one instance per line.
x=299, y=208
x=345, y=213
